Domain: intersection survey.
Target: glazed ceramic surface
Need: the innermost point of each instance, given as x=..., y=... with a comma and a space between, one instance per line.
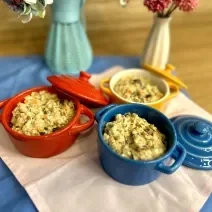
x=132, y=172
x=46, y=145
x=170, y=91
x=157, y=47
x=195, y=135
x=166, y=74
x=68, y=49
x=80, y=88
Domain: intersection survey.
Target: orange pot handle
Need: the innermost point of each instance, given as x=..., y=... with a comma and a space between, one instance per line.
x=76, y=129
x=2, y=104
x=104, y=88
x=174, y=91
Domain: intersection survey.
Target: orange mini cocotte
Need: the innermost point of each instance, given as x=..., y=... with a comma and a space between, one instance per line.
x=77, y=90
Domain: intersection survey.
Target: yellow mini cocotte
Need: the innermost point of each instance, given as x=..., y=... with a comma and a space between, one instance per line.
x=107, y=85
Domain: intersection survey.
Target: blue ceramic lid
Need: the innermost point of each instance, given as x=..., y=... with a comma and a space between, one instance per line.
x=195, y=135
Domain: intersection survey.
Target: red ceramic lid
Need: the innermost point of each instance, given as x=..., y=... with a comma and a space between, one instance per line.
x=79, y=88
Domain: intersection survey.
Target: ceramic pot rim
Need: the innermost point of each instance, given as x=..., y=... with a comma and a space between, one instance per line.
x=136, y=70
x=23, y=137
x=136, y=162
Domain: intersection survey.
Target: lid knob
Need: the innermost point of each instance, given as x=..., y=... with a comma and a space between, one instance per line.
x=84, y=76
x=201, y=127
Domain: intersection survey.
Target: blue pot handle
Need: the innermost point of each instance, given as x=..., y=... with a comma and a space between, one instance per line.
x=178, y=161
x=99, y=114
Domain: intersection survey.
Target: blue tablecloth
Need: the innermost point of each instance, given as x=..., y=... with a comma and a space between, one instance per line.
x=18, y=74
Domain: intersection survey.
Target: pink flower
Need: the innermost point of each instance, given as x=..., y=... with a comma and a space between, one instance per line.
x=186, y=5
x=157, y=5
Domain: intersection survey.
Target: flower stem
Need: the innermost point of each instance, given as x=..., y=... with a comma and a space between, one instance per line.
x=171, y=9
x=160, y=14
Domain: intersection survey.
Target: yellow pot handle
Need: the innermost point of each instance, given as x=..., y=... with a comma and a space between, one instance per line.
x=104, y=88
x=174, y=91
x=166, y=74
x=169, y=68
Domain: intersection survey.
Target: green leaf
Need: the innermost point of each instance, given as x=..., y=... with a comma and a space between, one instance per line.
x=31, y=1
x=26, y=18
x=38, y=6
x=27, y=10
x=34, y=8
x=38, y=10
x=40, y=13
x=43, y=2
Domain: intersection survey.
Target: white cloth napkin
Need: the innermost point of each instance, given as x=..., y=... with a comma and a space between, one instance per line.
x=74, y=180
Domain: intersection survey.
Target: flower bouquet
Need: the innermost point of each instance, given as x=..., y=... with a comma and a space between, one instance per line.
x=28, y=8
x=164, y=8
x=157, y=47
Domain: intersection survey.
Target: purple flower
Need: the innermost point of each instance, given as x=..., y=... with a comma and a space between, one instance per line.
x=15, y=5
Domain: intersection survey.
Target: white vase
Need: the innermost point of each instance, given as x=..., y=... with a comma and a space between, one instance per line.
x=157, y=47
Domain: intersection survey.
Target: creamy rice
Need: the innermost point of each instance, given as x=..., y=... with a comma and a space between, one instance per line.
x=133, y=137
x=41, y=113
x=137, y=89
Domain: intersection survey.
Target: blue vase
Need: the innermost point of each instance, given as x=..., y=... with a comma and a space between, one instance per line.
x=68, y=50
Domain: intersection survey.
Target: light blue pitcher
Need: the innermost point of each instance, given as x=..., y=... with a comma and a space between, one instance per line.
x=68, y=50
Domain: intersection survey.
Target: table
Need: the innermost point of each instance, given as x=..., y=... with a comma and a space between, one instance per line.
x=114, y=30
x=32, y=71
